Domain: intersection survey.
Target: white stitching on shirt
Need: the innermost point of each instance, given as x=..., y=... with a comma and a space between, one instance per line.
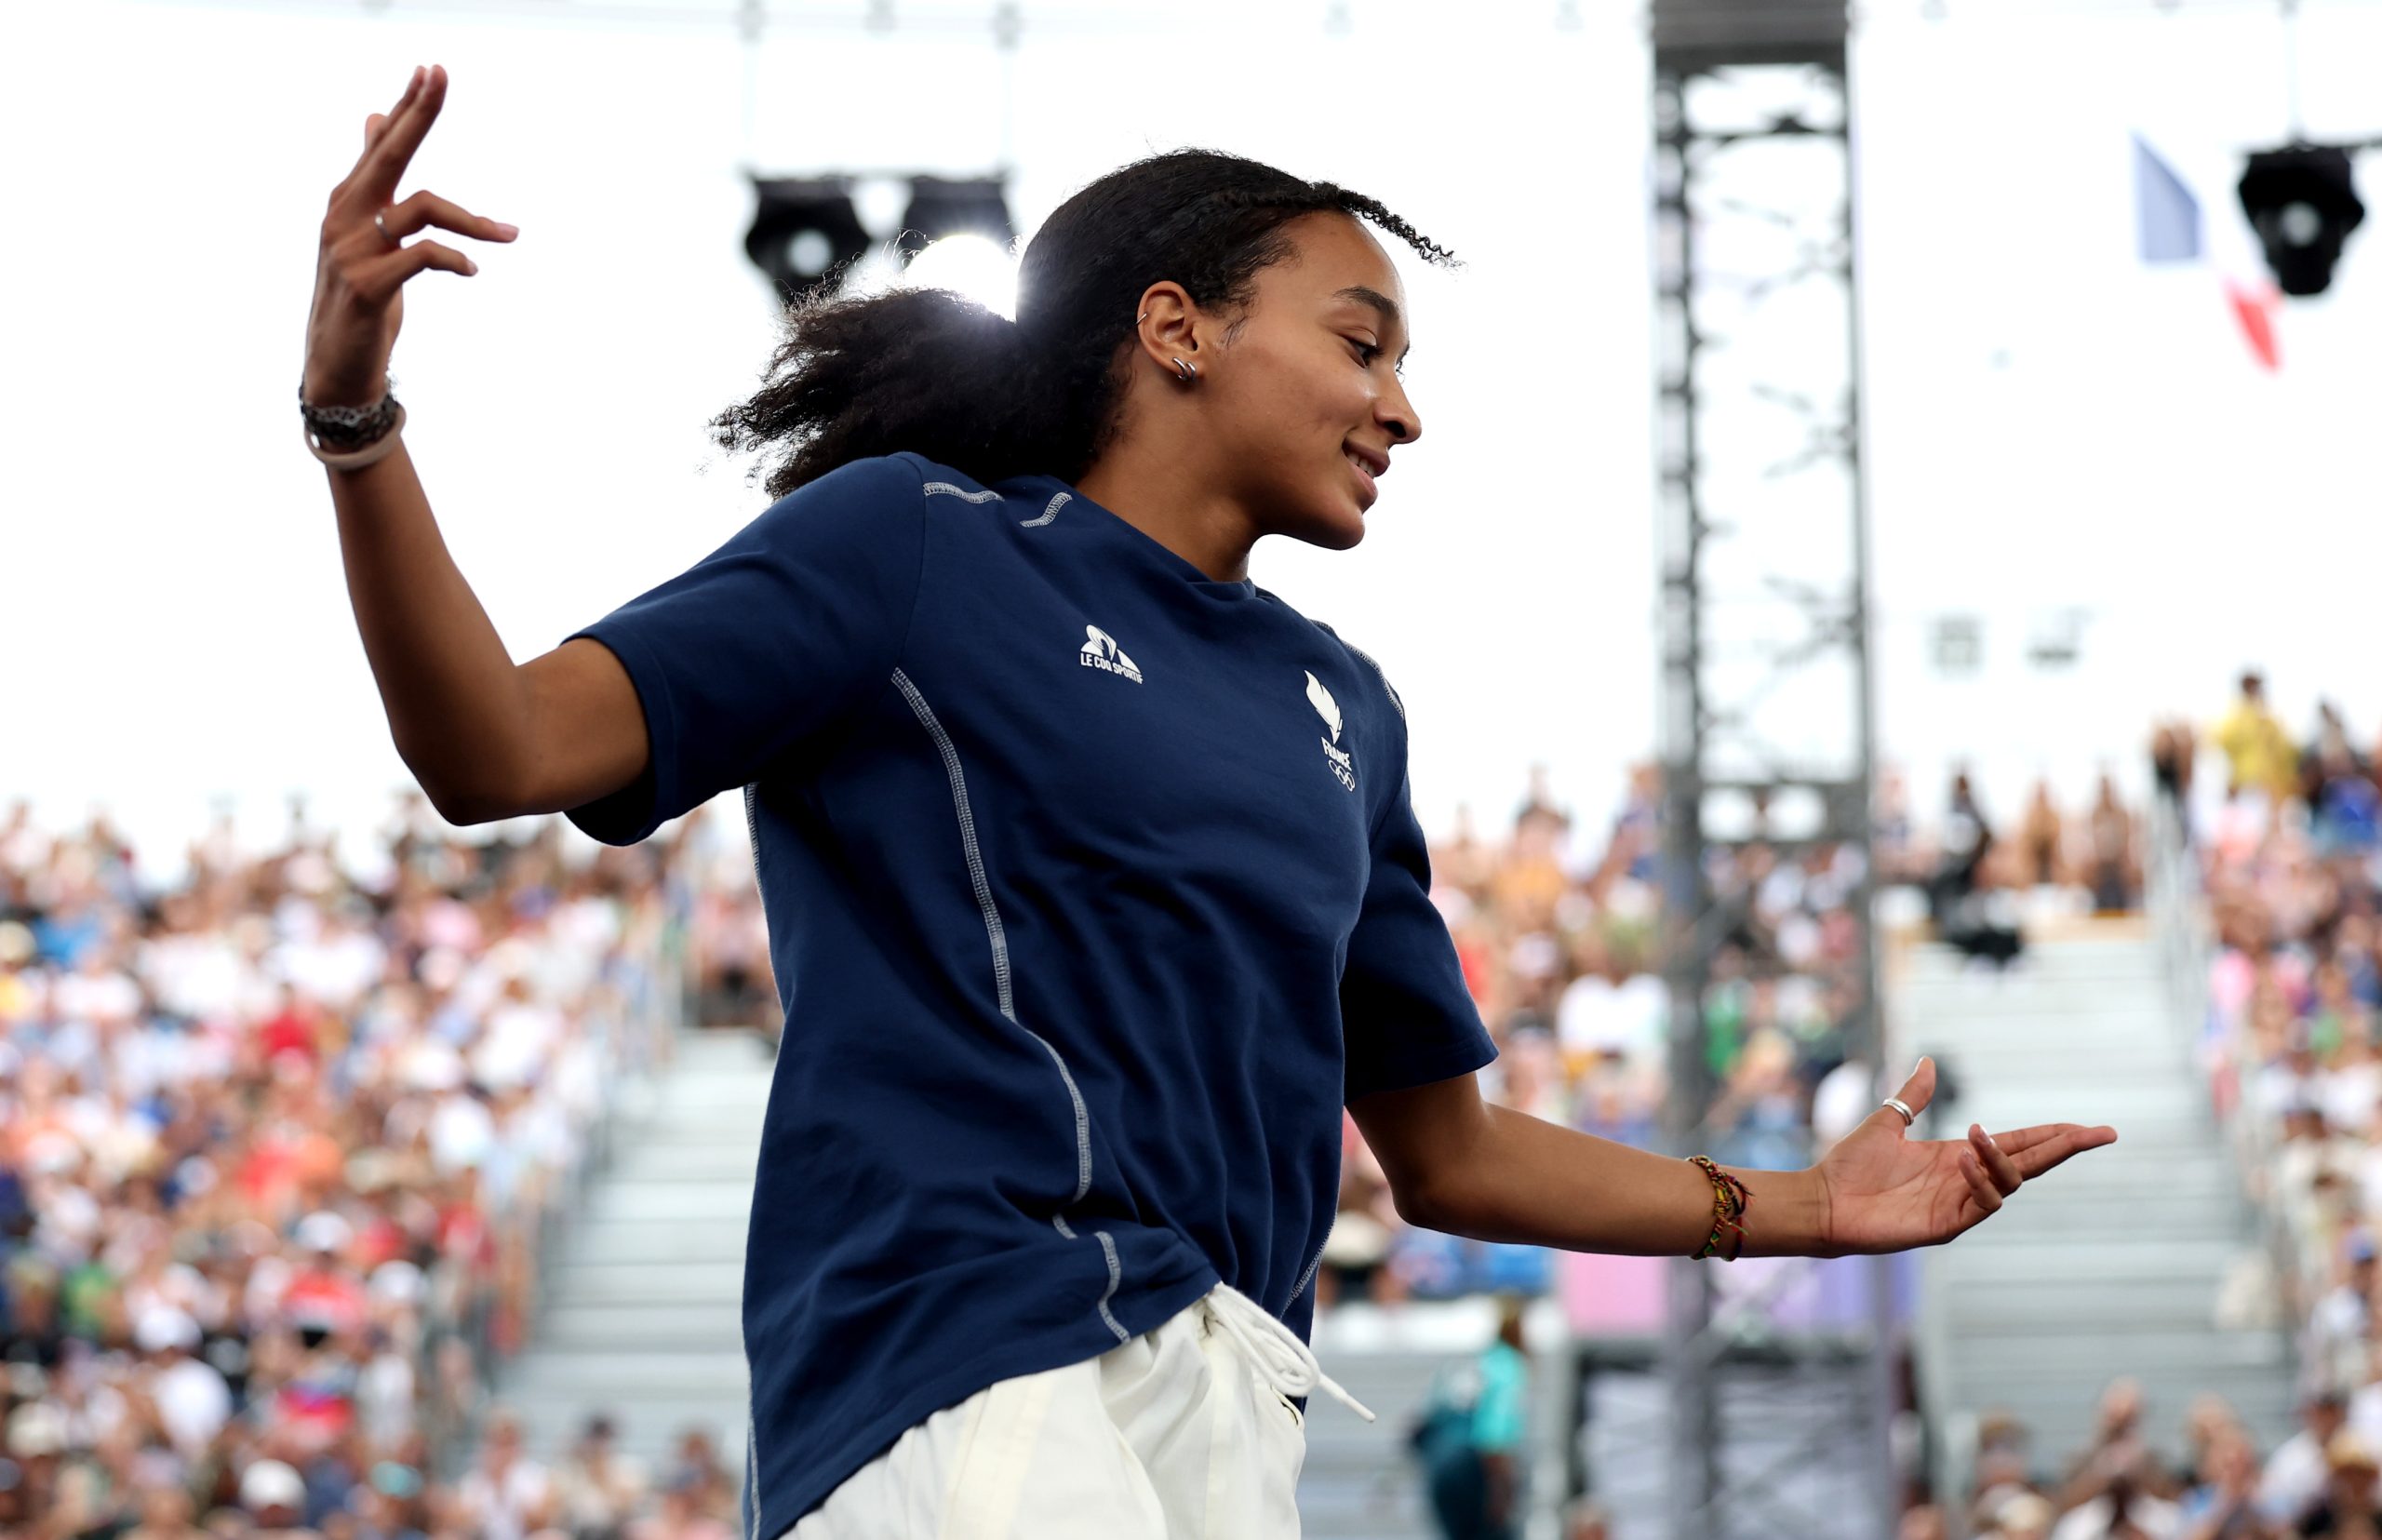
x=1308, y=1276
x=962, y=493
x=1057, y=502
x=993, y=928
x=1116, y=1275
x=1000, y=937
x=1384, y=673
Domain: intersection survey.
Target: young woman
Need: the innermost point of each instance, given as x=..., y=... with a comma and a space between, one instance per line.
x=1093, y=887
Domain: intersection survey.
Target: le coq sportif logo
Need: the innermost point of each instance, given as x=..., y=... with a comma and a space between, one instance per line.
x=1101, y=651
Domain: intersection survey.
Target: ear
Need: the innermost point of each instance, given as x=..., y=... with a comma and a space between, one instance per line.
x=1171, y=325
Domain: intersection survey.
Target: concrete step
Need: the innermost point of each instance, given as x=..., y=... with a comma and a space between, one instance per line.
x=624, y=1330
x=669, y=1283
x=2202, y=1176
x=2059, y=960
x=2185, y=1354
x=721, y=1051
x=2046, y=1210
x=2094, y=1059
x=2120, y=1009
x=1991, y=1310
x=630, y=1374
x=626, y=1198
x=2031, y=1262
x=703, y=1126
x=2113, y=1102
x=721, y=1160
x=2075, y=1381
x=695, y=1240
x=744, y=1085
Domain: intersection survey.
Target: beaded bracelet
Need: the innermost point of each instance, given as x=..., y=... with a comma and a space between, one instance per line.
x=355, y=459
x=341, y=427
x=1728, y=1207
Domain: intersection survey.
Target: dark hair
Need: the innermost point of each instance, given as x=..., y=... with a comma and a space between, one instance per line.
x=927, y=370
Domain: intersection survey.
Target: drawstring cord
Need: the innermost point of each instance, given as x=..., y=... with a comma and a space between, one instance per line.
x=1275, y=1349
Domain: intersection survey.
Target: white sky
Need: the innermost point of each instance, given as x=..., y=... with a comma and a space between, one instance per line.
x=2051, y=425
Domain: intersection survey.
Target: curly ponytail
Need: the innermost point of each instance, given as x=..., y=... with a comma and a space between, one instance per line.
x=927, y=370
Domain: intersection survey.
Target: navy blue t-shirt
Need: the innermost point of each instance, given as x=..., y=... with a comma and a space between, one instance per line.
x=1093, y=892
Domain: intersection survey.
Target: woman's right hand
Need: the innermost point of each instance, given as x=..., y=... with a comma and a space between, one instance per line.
x=360, y=274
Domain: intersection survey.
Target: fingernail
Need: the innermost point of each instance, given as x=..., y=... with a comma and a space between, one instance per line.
x=470, y=266
x=508, y=229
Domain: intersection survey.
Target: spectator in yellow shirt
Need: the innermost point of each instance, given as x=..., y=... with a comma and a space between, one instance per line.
x=2257, y=751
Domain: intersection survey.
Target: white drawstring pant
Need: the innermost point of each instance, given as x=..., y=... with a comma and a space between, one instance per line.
x=1185, y=1433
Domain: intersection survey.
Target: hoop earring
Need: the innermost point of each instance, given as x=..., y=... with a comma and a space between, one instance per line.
x=1187, y=372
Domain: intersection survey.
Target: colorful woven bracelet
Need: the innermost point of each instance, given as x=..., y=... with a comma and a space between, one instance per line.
x=1730, y=1200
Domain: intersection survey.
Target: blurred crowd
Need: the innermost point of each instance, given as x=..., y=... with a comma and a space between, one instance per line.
x=281, y=1148
x=280, y=1152
x=2317, y=1484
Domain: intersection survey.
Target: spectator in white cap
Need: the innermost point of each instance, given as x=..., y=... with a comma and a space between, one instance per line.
x=194, y=1402
x=274, y=1495
x=36, y=1430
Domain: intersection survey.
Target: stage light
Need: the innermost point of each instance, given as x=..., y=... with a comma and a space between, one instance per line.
x=803, y=231
x=972, y=265
x=941, y=207
x=2302, y=201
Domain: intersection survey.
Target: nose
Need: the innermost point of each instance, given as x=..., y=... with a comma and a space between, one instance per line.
x=1397, y=416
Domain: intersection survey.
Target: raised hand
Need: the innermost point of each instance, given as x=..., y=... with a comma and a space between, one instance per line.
x=1887, y=1192
x=362, y=267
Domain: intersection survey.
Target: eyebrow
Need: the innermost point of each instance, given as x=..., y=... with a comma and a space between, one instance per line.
x=1380, y=301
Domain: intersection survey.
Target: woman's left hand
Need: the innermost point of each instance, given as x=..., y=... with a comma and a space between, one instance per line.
x=1884, y=1191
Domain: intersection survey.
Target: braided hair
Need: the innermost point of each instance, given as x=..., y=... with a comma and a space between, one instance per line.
x=925, y=369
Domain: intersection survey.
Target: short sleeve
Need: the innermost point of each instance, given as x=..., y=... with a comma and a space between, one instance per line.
x=1406, y=1015
x=1498, y=1418
x=769, y=642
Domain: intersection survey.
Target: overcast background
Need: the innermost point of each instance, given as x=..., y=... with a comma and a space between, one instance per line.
x=2051, y=424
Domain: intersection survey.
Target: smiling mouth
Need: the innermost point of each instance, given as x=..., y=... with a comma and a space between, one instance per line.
x=1365, y=474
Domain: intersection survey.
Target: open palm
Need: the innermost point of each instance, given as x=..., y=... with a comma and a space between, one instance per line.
x=1885, y=1191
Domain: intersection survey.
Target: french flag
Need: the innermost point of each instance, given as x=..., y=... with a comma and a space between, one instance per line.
x=2168, y=228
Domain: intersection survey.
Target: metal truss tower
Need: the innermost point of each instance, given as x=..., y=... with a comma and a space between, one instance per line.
x=1766, y=710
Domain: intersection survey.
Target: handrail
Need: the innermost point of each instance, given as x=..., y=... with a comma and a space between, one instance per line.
x=634, y=1016
x=2176, y=900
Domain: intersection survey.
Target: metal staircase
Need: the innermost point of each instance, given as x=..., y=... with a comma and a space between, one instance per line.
x=2111, y=1265
x=641, y=1316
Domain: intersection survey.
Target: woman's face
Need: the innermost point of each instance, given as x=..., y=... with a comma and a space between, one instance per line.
x=1307, y=400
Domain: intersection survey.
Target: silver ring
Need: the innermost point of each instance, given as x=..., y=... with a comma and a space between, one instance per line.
x=1896, y=1103
x=1185, y=372
x=384, y=229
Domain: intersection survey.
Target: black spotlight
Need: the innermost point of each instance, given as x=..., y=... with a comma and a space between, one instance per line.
x=2302, y=202
x=941, y=207
x=803, y=231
